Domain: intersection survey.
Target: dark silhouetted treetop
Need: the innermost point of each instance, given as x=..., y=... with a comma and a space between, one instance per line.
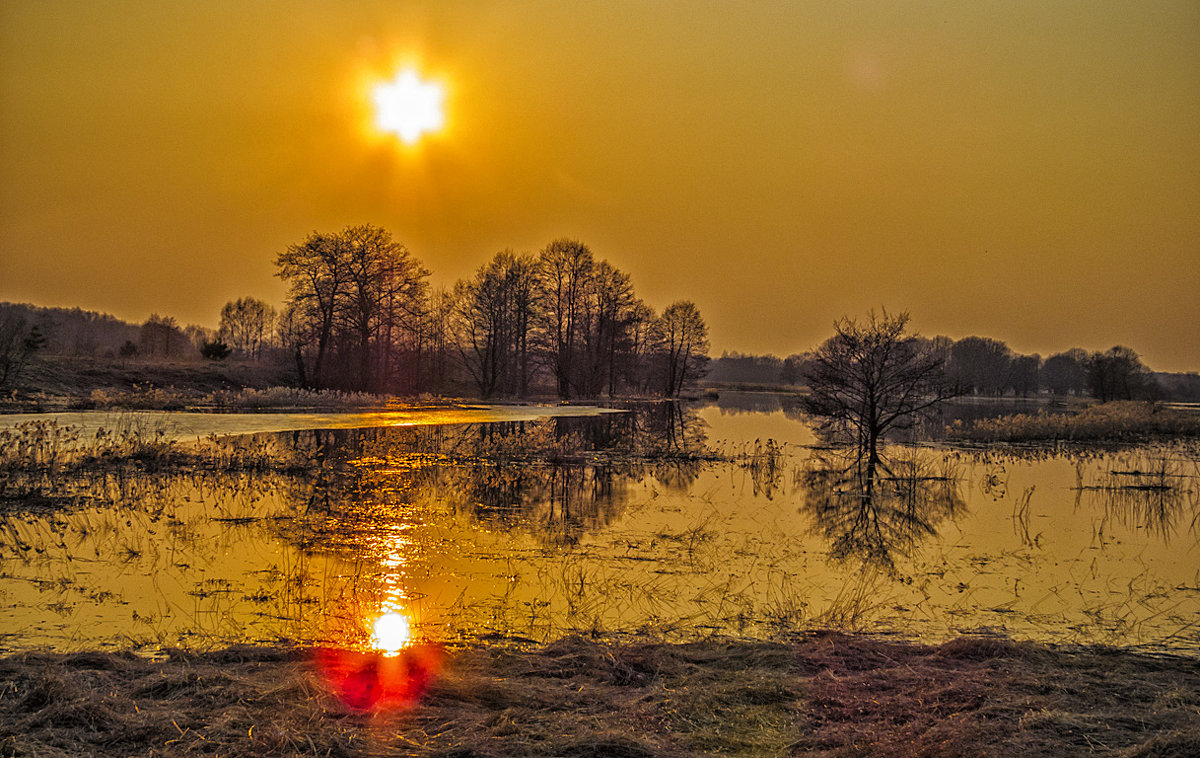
x=871, y=377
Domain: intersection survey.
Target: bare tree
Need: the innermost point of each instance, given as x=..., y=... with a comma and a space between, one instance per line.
x=246, y=325
x=1066, y=373
x=199, y=335
x=360, y=293
x=980, y=365
x=564, y=270
x=493, y=317
x=640, y=333
x=437, y=331
x=386, y=290
x=610, y=308
x=293, y=330
x=1119, y=374
x=161, y=336
x=317, y=273
x=683, y=342
x=1025, y=374
x=872, y=377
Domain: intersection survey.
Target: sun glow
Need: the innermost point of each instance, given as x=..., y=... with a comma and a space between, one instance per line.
x=409, y=106
x=391, y=633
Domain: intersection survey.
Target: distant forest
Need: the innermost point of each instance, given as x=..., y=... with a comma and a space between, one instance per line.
x=988, y=367
x=980, y=365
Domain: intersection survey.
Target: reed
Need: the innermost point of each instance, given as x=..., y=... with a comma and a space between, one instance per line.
x=1122, y=421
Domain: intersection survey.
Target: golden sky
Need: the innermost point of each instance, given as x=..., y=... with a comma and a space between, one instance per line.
x=1022, y=169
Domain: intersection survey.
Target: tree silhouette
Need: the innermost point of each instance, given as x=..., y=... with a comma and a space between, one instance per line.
x=870, y=378
x=246, y=325
x=356, y=294
x=683, y=342
x=492, y=320
x=1119, y=374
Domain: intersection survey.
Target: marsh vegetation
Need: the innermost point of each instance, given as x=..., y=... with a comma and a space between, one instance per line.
x=687, y=548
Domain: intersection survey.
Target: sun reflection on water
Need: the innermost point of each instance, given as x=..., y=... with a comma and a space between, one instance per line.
x=391, y=633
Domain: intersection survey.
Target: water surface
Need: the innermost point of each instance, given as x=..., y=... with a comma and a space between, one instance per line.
x=615, y=524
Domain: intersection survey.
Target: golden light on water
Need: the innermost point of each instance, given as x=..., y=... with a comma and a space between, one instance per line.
x=391, y=633
x=409, y=106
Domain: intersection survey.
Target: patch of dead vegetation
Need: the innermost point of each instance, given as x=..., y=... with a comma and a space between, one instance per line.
x=823, y=695
x=1122, y=421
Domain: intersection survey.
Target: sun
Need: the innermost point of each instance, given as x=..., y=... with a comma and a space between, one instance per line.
x=409, y=106
x=391, y=633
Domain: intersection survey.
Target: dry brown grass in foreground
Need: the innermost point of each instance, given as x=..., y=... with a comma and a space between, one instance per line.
x=827, y=695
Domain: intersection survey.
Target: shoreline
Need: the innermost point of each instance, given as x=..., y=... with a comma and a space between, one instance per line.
x=824, y=694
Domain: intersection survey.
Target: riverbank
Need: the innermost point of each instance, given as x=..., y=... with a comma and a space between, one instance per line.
x=826, y=694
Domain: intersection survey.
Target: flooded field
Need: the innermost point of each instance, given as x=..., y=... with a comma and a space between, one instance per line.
x=668, y=522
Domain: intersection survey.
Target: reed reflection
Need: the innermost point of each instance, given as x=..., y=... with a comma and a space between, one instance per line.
x=1156, y=493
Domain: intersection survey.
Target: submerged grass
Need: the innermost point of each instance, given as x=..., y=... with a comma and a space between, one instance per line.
x=823, y=695
x=47, y=466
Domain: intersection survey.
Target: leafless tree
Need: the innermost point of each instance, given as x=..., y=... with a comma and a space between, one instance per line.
x=385, y=301
x=683, y=342
x=1066, y=373
x=246, y=325
x=161, y=336
x=609, y=308
x=980, y=365
x=564, y=272
x=872, y=377
x=357, y=291
x=317, y=272
x=493, y=318
x=1119, y=374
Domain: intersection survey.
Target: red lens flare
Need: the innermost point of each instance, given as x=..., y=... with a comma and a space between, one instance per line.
x=377, y=681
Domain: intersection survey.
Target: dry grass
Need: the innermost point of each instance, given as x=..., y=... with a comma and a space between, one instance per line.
x=825, y=695
x=1122, y=421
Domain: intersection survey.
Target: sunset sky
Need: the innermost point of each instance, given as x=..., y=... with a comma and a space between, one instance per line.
x=1026, y=170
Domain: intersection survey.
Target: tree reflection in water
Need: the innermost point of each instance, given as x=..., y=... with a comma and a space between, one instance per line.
x=557, y=478
x=878, y=516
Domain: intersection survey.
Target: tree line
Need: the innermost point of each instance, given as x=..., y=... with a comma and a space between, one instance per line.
x=360, y=315
x=988, y=367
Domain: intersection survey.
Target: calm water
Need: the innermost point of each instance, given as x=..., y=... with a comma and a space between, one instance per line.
x=536, y=526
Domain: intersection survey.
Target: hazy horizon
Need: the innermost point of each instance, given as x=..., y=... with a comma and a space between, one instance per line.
x=1023, y=171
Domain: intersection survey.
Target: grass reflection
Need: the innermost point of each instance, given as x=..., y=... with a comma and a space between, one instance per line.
x=1157, y=492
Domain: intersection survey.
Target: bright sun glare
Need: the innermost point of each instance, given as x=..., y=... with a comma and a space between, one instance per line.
x=408, y=106
x=391, y=633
